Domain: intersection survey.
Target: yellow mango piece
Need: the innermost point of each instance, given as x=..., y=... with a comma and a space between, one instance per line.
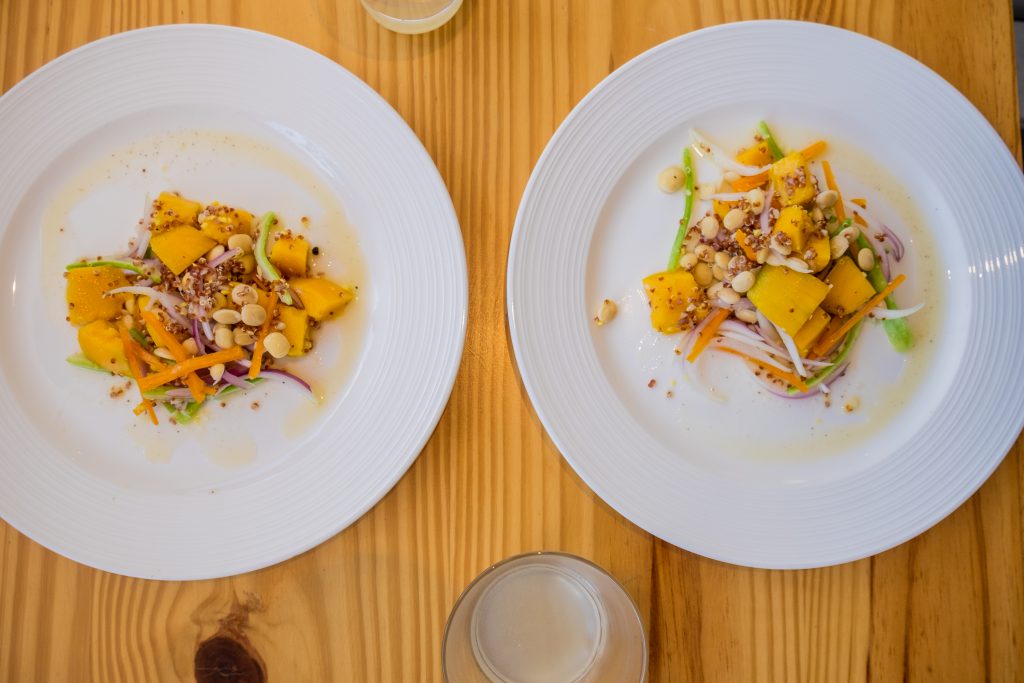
x=758, y=155
x=171, y=210
x=101, y=343
x=721, y=208
x=786, y=297
x=822, y=255
x=850, y=288
x=85, y=294
x=321, y=298
x=669, y=294
x=811, y=330
x=795, y=223
x=290, y=254
x=179, y=247
x=220, y=222
x=296, y=328
x=792, y=180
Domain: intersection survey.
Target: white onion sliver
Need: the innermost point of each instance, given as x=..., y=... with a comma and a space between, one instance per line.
x=794, y=355
x=824, y=388
x=705, y=147
x=892, y=314
x=763, y=357
x=766, y=211
x=727, y=196
x=757, y=344
x=767, y=329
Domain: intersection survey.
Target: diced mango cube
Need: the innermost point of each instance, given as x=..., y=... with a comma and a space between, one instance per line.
x=850, y=288
x=786, y=297
x=320, y=297
x=179, y=247
x=101, y=343
x=792, y=180
x=795, y=223
x=86, y=294
x=220, y=222
x=290, y=254
x=669, y=294
x=296, y=328
x=811, y=330
x=758, y=155
x=171, y=210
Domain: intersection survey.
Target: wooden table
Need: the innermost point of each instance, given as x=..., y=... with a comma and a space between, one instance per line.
x=484, y=94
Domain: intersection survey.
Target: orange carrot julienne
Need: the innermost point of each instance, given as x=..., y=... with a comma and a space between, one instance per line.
x=257, y=351
x=749, y=182
x=168, y=340
x=825, y=343
x=789, y=377
x=741, y=239
x=708, y=333
x=192, y=381
x=862, y=203
x=189, y=366
x=136, y=368
x=830, y=180
x=813, y=150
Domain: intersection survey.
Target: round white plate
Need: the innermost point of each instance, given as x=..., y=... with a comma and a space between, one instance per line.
x=730, y=472
x=245, y=118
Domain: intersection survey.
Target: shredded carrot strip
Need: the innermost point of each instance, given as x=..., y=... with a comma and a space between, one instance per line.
x=862, y=203
x=708, y=333
x=859, y=221
x=154, y=361
x=830, y=180
x=825, y=343
x=194, y=384
x=749, y=182
x=741, y=239
x=813, y=150
x=136, y=368
x=832, y=326
x=257, y=351
x=793, y=379
x=190, y=365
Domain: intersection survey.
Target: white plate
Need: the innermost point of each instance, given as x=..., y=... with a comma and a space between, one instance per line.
x=242, y=117
x=739, y=475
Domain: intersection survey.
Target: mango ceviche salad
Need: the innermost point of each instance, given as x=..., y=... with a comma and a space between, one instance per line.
x=206, y=302
x=780, y=270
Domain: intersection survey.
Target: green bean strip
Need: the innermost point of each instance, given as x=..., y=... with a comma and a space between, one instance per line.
x=769, y=140
x=141, y=339
x=269, y=271
x=896, y=329
x=684, y=224
x=80, y=361
x=123, y=265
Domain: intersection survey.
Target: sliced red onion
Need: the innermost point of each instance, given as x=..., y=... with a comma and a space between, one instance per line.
x=235, y=380
x=285, y=375
x=883, y=263
x=776, y=390
x=169, y=302
x=178, y=393
x=794, y=354
x=229, y=254
x=892, y=314
x=705, y=147
x=876, y=225
x=200, y=346
x=767, y=210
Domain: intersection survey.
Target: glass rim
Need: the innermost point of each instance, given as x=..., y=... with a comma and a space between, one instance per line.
x=487, y=571
x=367, y=5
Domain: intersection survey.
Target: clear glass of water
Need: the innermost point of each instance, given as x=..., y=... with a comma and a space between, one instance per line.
x=544, y=617
x=412, y=16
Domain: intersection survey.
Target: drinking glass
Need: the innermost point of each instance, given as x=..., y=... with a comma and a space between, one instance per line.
x=544, y=617
x=412, y=16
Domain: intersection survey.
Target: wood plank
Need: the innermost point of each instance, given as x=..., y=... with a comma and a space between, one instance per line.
x=484, y=94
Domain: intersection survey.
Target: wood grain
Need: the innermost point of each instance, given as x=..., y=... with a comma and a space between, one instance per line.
x=484, y=94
